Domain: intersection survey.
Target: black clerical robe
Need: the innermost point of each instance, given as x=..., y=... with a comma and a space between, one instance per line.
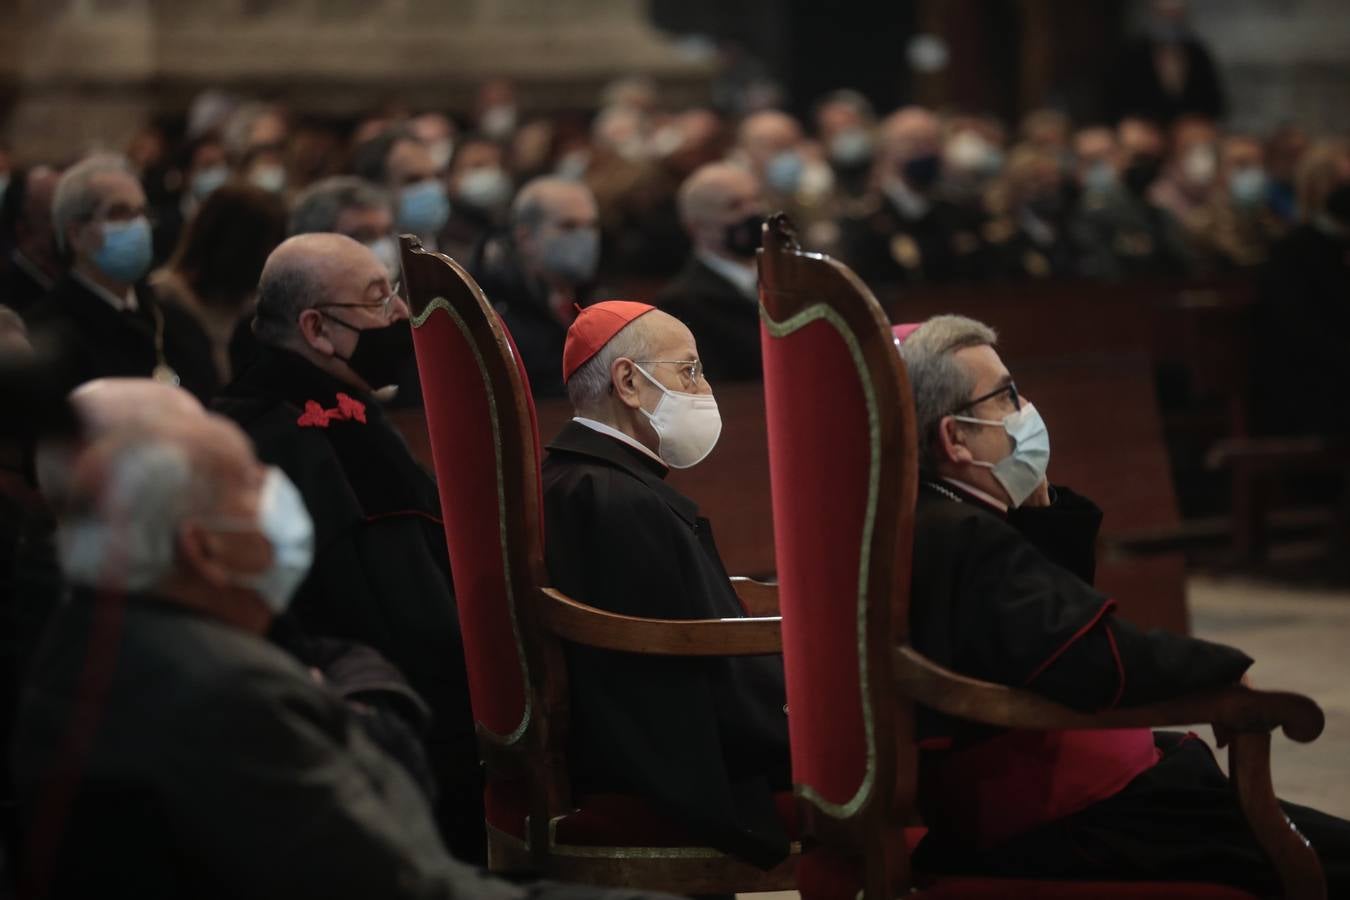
x=704, y=739
x=1007, y=597
x=381, y=573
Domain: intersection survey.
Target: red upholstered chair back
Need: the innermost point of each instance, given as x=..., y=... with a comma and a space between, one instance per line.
x=485, y=448
x=843, y=470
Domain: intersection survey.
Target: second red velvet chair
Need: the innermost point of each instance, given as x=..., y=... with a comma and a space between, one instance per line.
x=843, y=470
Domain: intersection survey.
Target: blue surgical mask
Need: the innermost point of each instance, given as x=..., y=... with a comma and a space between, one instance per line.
x=851, y=148
x=1100, y=177
x=286, y=523
x=1023, y=470
x=572, y=255
x=423, y=207
x=126, y=251
x=1248, y=187
x=784, y=172
x=205, y=182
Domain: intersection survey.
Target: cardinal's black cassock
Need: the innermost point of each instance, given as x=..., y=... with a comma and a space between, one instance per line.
x=703, y=739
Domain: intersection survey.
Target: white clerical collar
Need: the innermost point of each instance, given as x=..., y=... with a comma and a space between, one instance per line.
x=618, y=435
x=742, y=277
x=977, y=493
x=31, y=269
x=911, y=205
x=121, y=304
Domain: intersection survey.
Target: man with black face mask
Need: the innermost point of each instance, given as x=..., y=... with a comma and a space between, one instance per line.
x=332, y=331
x=716, y=293
x=1119, y=231
x=909, y=233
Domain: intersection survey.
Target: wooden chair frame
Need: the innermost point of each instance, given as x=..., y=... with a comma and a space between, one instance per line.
x=791, y=283
x=537, y=752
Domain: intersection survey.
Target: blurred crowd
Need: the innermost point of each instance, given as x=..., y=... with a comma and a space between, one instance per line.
x=645, y=201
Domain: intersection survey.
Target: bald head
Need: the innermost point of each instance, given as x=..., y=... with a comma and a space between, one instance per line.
x=105, y=406
x=909, y=133
x=716, y=197
x=306, y=271
x=555, y=225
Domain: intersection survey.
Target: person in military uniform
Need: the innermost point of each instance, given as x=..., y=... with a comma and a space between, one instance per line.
x=908, y=233
x=1120, y=233
x=1028, y=235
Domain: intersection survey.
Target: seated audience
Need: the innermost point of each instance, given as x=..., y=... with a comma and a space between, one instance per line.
x=33, y=266
x=704, y=739
x=101, y=312
x=351, y=206
x=1190, y=175
x=1028, y=233
x=1002, y=591
x=539, y=269
x=1241, y=225
x=221, y=766
x=845, y=123
x=213, y=274
x=796, y=177
x=480, y=194
x=910, y=234
x=332, y=330
x=717, y=293
x=401, y=164
x=1118, y=231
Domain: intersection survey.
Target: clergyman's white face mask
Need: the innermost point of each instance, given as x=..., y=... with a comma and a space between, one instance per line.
x=688, y=425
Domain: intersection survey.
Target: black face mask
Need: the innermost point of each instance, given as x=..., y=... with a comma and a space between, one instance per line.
x=380, y=353
x=744, y=237
x=922, y=172
x=1338, y=204
x=1142, y=171
x=1047, y=206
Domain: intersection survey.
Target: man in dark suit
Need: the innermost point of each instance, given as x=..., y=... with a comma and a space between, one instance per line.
x=908, y=233
x=716, y=294
x=26, y=233
x=539, y=269
x=100, y=311
x=218, y=765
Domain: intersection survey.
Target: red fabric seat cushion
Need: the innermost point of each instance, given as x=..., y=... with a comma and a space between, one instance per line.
x=608, y=820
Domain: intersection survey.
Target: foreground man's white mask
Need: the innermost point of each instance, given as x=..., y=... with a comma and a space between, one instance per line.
x=687, y=425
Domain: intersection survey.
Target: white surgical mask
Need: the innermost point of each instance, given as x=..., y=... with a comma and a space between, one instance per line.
x=687, y=425
x=285, y=522
x=1023, y=470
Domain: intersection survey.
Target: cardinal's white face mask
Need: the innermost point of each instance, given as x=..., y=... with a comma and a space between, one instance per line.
x=687, y=425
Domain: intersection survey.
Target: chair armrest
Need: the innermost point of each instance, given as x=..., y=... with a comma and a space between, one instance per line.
x=1247, y=714
x=1237, y=709
x=593, y=627
x=758, y=597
